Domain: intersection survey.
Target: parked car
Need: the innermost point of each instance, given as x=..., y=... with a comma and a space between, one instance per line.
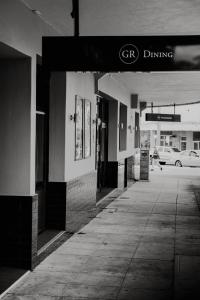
x=197, y=152
x=168, y=155
x=188, y=158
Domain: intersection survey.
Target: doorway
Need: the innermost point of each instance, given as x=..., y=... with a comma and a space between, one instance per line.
x=102, y=147
x=42, y=147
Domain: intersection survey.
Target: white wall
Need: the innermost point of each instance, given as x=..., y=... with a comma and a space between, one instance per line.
x=57, y=127
x=80, y=84
x=15, y=115
x=23, y=31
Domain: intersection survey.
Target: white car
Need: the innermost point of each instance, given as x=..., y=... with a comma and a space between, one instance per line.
x=168, y=155
x=188, y=158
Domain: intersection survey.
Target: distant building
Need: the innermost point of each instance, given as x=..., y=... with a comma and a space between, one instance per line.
x=184, y=135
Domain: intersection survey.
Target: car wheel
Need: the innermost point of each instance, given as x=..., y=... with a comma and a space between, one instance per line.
x=178, y=163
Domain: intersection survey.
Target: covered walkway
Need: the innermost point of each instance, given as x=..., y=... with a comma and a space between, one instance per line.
x=145, y=245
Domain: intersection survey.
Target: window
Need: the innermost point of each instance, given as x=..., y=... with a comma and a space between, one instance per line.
x=193, y=154
x=87, y=128
x=196, y=145
x=196, y=136
x=165, y=140
x=165, y=132
x=78, y=128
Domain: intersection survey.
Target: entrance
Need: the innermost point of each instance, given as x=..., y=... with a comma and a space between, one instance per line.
x=42, y=146
x=102, y=147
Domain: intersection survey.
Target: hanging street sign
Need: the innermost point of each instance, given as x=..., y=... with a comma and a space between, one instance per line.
x=163, y=117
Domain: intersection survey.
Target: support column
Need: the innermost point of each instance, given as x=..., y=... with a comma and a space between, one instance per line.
x=18, y=214
x=57, y=189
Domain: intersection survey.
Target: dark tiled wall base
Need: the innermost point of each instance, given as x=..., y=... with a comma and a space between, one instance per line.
x=81, y=201
x=112, y=174
x=18, y=227
x=56, y=205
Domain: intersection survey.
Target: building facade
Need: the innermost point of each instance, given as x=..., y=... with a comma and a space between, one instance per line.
x=67, y=138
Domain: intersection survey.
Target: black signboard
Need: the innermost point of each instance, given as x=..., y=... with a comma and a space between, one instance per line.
x=121, y=53
x=163, y=117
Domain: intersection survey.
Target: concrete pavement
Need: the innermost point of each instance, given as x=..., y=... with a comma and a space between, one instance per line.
x=145, y=245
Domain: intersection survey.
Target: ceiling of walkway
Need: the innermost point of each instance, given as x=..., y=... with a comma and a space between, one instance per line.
x=127, y=17
x=167, y=88
x=138, y=17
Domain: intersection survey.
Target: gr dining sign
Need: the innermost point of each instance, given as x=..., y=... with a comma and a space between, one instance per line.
x=121, y=53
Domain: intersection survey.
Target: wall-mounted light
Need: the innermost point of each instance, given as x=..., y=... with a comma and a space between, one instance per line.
x=130, y=128
x=72, y=117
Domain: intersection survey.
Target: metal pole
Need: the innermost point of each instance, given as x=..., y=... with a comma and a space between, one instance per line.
x=75, y=16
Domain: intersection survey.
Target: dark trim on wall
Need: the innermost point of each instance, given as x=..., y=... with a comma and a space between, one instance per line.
x=18, y=227
x=56, y=205
x=112, y=174
x=81, y=201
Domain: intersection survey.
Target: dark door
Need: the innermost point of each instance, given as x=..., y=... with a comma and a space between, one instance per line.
x=137, y=130
x=42, y=148
x=40, y=174
x=102, y=142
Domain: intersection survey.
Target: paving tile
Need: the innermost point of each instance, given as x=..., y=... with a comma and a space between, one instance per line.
x=162, y=217
x=149, y=274
x=155, y=251
x=158, y=239
x=113, y=253
x=187, y=267
x=144, y=294
x=188, y=233
x=187, y=248
x=165, y=208
x=127, y=239
x=63, y=263
x=119, y=247
x=187, y=210
x=181, y=294
x=76, y=251
x=106, y=264
x=79, y=291
x=159, y=231
x=188, y=221
x=100, y=279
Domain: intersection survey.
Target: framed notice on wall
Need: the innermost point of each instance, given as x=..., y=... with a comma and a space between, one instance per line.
x=78, y=128
x=82, y=128
x=87, y=128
